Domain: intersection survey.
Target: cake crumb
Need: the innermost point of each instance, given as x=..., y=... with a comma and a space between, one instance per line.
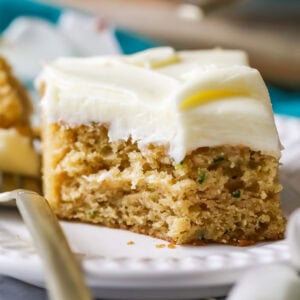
x=160, y=246
x=245, y=243
x=130, y=243
x=172, y=246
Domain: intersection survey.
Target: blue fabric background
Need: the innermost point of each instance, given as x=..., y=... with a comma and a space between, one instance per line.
x=284, y=101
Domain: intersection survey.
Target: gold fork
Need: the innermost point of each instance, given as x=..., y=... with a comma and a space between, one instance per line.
x=63, y=275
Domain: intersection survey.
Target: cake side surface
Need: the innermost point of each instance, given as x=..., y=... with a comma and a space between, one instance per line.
x=224, y=194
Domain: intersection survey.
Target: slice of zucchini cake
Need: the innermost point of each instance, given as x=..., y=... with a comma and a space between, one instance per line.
x=181, y=146
x=17, y=154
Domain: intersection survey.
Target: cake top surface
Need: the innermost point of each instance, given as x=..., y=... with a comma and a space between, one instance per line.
x=185, y=99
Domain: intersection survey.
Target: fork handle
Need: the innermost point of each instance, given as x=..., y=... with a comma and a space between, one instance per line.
x=63, y=275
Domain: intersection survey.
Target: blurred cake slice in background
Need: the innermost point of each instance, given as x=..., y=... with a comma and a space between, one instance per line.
x=17, y=154
x=181, y=146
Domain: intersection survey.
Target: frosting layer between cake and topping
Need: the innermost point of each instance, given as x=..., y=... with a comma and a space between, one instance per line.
x=185, y=99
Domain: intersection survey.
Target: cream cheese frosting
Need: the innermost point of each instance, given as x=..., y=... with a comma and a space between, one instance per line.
x=17, y=154
x=185, y=99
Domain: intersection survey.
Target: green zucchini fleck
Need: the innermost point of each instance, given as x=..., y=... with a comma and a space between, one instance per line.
x=202, y=177
x=236, y=194
x=200, y=234
x=91, y=213
x=218, y=159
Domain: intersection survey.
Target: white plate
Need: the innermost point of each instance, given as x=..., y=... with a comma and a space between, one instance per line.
x=116, y=270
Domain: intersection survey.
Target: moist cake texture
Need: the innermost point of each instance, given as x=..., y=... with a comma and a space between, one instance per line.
x=17, y=154
x=184, y=172
x=222, y=194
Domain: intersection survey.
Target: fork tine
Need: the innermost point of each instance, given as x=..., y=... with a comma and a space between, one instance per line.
x=6, y=197
x=63, y=275
x=21, y=180
x=1, y=181
x=16, y=180
x=11, y=181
